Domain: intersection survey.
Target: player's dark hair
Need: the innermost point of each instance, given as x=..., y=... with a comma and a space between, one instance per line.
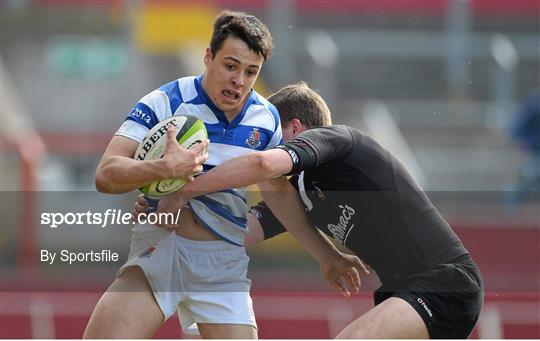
x=300, y=101
x=242, y=26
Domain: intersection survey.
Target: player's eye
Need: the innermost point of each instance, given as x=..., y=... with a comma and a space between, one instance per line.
x=251, y=73
x=229, y=66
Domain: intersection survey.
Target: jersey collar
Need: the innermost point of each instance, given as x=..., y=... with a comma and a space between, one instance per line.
x=218, y=112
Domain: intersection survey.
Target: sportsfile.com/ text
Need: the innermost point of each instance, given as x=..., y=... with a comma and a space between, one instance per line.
x=104, y=219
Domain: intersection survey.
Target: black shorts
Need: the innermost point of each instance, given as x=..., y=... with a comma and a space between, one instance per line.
x=448, y=297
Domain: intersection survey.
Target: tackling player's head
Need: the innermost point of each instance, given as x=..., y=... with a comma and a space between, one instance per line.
x=240, y=44
x=300, y=107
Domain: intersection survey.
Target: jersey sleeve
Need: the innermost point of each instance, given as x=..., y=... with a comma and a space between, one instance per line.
x=318, y=146
x=138, y=122
x=151, y=109
x=271, y=226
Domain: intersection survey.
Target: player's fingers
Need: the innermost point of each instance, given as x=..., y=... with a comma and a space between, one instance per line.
x=140, y=208
x=136, y=216
x=198, y=169
x=336, y=288
x=352, y=286
x=141, y=200
x=199, y=148
x=341, y=286
x=354, y=279
x=202, y=158
x=190, y=178
x=171, y=137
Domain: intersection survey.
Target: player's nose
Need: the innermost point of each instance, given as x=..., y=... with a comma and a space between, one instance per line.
x=237, y=80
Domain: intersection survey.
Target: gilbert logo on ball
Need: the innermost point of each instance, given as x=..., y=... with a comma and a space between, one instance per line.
x=190, y=131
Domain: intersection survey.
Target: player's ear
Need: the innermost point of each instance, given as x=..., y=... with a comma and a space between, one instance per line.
x=296, y=125
x=207, y=56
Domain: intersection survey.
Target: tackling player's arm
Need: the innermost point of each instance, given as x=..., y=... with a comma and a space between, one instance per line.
x=255, y=233
x=237, y=172
x=242, y=171
x=340, y=270
x=308, y=150
x=290, y=158
x=118, y=172
x=262, y=224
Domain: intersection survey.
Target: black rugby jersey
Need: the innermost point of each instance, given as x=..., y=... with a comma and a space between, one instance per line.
x=355, y=191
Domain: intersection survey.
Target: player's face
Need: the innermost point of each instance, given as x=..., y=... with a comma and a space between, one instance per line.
x=230, y=74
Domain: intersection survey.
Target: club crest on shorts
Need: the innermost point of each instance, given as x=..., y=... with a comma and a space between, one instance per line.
x=254, y=139
x=147, y=253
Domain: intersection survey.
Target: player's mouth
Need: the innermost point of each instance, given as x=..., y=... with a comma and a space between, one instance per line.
x=231, y=96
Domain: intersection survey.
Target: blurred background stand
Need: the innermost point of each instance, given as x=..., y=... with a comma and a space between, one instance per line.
x=436, y=82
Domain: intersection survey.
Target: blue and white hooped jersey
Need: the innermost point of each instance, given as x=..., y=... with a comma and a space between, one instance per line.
x=256, y=127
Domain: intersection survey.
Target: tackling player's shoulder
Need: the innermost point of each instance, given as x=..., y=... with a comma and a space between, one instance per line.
x=337, y=135
x=321, y=146
x=340, y=129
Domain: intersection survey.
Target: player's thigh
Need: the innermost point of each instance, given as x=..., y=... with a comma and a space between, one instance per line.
x=126, y=310
x=394, y=318
x=227, y=331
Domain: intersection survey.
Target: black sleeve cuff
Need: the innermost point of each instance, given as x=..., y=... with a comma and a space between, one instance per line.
x=303, y=156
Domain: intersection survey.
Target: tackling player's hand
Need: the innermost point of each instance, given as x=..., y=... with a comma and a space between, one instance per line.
x=172, y=203
x=180, y=162
x=343, y=273
x=142, y=208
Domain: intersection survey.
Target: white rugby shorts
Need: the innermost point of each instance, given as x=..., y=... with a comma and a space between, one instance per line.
x=206, y=281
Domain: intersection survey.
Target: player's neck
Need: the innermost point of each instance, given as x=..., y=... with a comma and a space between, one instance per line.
x=230, y=115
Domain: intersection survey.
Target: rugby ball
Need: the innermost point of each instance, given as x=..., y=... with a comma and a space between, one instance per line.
x=190, y=131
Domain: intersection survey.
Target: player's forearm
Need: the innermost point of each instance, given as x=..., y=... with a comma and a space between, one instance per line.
x=120, y=174
x=239, y=172
x=284, y=202
x=255, y=233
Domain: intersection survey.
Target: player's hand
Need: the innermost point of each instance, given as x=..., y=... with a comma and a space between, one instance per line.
x=180, y=162
x=343, y=273
x=172, y=203
x=140, y=209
